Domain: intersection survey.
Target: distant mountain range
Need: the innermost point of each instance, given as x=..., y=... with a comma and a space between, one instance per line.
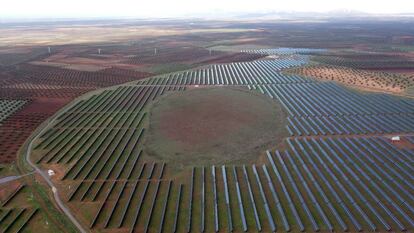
x=225, y=15
x=339, y=13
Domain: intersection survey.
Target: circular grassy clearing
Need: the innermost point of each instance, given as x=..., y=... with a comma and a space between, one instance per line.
x=214, y=126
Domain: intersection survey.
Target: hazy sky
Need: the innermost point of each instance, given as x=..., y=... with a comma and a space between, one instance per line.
x=171, y=8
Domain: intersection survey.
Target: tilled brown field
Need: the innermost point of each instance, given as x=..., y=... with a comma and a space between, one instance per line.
x=28, y=81
x=18, y=127
x=188, y=56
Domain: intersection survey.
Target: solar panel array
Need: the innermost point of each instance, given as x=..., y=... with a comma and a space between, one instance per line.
x=328, y=108
x=284, y=51
x=242, y=73
x=354, y=182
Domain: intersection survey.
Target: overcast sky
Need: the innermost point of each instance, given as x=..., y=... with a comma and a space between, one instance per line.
x=172, y=8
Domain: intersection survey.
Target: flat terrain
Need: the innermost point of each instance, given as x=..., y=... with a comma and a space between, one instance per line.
x=143, y=156
x=209, y=126
x=49, y=79
x=363, y=79
x=199, y=126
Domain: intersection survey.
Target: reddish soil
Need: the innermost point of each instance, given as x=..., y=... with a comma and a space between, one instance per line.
x=11, y=187
x=403, y=143
x=48, y=89
x=189, y=55
x=186, y=54
x=18, y=127
x=29, y=80
x=59, y=170
x=394, y=70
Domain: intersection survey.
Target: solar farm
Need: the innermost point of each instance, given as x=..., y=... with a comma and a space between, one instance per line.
x=18, y=210
x=335, y=167
x=197, y=125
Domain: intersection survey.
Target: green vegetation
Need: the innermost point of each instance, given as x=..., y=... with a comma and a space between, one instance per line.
x=211, y=125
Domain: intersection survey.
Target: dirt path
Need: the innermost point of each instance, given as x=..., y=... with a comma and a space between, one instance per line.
x=7, y=179
x=46, y=178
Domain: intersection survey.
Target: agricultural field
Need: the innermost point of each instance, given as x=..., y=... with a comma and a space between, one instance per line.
x=235, y=147
x=384, y=71
x=8, y=107
x=395, y=61
x=381, y=81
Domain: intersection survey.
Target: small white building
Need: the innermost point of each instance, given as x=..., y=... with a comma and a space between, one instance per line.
x=395, y=138
x=50, y=172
